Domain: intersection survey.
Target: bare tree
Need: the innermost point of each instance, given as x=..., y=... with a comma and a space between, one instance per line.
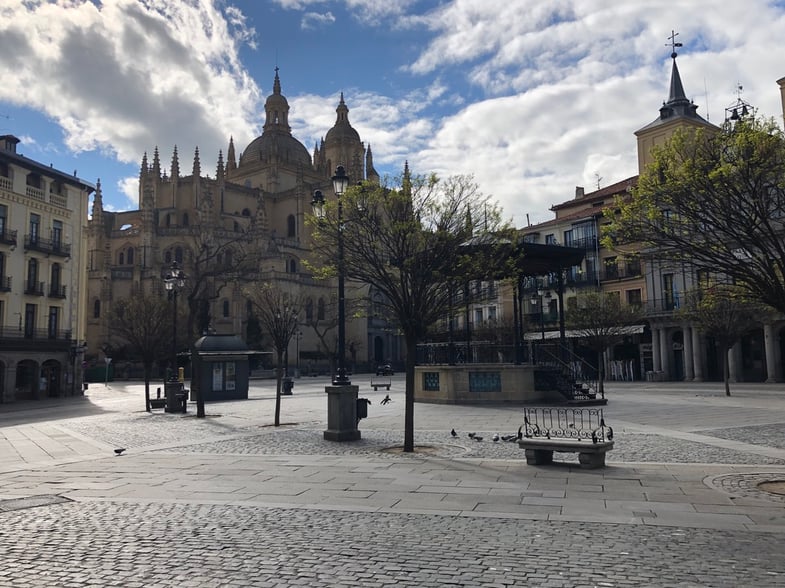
x=724, y=312
x=143, y=323
x=278, y=314
x=406, y=243
x=601, y=321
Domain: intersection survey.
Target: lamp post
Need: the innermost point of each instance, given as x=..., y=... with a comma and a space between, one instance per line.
x=174, y=280
x=340, y=183
x=342, y=402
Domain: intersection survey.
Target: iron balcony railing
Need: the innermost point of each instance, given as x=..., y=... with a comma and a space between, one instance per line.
x=49, y=246
x=5, y=284
x=8, y=237
x=56, y=291
x=34, y=288
x=17, y=332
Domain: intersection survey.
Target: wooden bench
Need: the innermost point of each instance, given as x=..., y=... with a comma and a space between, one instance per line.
x=377, y=383
x=565, y=430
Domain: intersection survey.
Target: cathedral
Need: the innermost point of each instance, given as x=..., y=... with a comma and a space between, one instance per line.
x=266, y=191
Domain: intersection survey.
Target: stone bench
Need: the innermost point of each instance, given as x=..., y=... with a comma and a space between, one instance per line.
x=565, y=430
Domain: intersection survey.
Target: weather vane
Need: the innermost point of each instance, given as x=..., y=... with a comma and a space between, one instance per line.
x=673, y=43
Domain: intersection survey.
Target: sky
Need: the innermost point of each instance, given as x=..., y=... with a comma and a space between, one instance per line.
x=531, y=98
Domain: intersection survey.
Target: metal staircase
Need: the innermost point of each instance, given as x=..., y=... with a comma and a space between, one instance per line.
x=560, y=370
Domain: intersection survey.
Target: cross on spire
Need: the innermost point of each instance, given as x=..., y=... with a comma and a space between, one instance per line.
x=673, y=43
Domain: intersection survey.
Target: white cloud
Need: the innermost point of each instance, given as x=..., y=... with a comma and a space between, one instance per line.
x=127, y=75
x=312, y=20
x=129, y=187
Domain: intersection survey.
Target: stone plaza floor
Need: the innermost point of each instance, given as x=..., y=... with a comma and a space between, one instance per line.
x=230, y=500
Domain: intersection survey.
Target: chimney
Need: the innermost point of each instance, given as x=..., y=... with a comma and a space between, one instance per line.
x=578, y=192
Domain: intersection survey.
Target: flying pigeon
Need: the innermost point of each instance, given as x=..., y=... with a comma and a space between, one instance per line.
x=495, y=437
x=386, y=399
x=453, y=433
x=119, y=450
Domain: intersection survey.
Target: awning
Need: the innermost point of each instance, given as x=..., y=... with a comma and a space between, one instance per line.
x=573, y=334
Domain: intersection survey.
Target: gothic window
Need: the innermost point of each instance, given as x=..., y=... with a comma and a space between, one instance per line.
x=291, y=226
x=185, y=219
x=246, y=212
x=292, y=266
x=308, y=310
x=130, y=256
x=226, y=309
x=121, y=259
x=97, y=308
x=168, y=257
x=320, y=310
x=178, y=254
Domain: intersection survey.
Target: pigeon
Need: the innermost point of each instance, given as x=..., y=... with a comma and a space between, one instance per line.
x=453, y=433
x=477, y=438
x=386, y=399
x=119, y=450
x=471, y=435
x=512, y=437
x=495, y=437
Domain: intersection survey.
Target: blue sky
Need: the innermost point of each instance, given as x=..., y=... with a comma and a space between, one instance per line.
x=533, y=98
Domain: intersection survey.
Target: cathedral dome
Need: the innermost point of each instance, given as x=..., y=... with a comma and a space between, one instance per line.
x=276, y=143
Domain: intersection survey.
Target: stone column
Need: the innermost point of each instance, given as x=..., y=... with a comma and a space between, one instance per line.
x=734, y=354
x=697, y=355
x=689, y=372
x=773, y=367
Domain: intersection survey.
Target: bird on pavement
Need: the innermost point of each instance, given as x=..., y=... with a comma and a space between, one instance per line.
x=453, y=433
x=477, y=438
x=119, y=450
x=471, y=435
x=495, y=437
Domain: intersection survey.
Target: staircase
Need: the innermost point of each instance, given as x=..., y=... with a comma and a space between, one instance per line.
x=559, y=369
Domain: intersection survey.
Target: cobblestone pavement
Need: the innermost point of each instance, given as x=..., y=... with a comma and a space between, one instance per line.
x=231, y=501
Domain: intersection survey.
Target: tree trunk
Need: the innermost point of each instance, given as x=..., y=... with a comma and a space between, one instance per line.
x=726, y=371
x=278, y=377
x=148, y=373
x=408, y=419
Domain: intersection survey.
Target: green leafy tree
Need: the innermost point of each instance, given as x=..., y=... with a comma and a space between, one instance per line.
x=278, y=315
x=143, y=323
x=724, y=312
x=406, y=242
x=601, y=321
x=717, y=201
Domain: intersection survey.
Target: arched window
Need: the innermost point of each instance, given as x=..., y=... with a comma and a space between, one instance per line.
x=228, y=258
x=130, y=256
x=97, y=308
x=309, y=310
x=185, y=219
x=246, y=212
x=320, y=310
x=168, y=257
x=178, y=254
x=291, y=226
x=121, y=259
x=226, y=308
x=292, y=266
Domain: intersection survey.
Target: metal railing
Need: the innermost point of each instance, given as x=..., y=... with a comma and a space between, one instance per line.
x=566, y=372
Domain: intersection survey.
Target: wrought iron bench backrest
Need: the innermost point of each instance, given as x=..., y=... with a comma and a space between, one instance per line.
x=566, y=423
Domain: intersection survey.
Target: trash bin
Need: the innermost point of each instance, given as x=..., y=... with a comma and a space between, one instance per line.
x=362, y=408
x=286, y=386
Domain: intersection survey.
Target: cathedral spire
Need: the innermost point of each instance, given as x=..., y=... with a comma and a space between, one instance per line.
x=197, y=173
x=175, y=165
x=231, y=162
x=143, y=167
x=276, y=110
x=219, y=169
x=276, y=83
x=98, y=203
x=156, y=164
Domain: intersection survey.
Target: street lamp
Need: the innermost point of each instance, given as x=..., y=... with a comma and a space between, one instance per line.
x=340, y=183
x=174, y=280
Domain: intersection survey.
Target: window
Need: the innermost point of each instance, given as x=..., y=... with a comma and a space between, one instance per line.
x=168, y=257
x=96, y=308
x=550, y=239
x=703, y=277
x=291, y=226
x=320, y=310
x=57, y=235
x=568, y=238
x=668, y=293
x=292, y=266
x=29, y=320
x=52, y=323
x=32, y=274
x=226, y=308
x=168, y=220
x=130, y=256
x=309, y=311
x=55, y=277
x=35, y=228
x=121, y=259
x=611, y=268
x=3, y=219
x=491, y=313
x=185, y=219
x=178, y=255
x=478, y=316
x=634, y=297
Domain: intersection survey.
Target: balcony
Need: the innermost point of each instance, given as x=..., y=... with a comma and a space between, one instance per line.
x=56, y=291
x=621, y=271
x=34, y=288
x=660, y=306
x=48, y=246
x=5, y=283
x=8, y=237
x=17, y=337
